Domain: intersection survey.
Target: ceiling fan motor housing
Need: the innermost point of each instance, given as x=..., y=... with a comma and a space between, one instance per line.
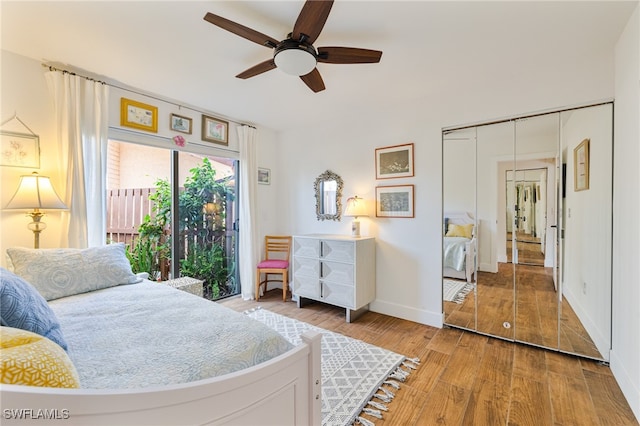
x=295, y=57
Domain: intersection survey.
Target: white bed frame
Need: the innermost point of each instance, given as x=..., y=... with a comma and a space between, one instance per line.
x=463, y=218
x=282, y=391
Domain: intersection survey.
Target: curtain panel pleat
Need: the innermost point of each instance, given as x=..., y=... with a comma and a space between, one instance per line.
x=81, y=108
x=247, y=247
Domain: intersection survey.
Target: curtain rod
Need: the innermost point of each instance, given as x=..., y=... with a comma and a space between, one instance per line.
x=54, y=68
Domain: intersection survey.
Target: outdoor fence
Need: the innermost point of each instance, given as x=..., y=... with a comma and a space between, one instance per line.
x=126, y=209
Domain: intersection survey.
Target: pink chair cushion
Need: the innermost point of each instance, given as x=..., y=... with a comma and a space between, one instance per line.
x=274, y=264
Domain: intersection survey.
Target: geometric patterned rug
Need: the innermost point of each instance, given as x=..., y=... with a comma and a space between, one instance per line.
x=455, y=291
x=356, y=376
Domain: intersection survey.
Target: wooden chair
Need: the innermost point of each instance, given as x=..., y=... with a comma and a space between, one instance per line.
x=276, y=261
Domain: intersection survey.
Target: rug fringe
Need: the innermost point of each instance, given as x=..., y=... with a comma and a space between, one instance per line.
x=392, y=383
x=248, y=311
x=462, y=294
x=364, y=422
x=398, y=375
x=377, y=405
x=375, y=413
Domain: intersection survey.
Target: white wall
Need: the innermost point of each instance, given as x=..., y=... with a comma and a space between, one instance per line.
x=587, y=243
x=24, y=92
x=626, y=205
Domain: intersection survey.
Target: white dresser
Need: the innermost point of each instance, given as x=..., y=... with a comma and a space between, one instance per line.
x=335, y=269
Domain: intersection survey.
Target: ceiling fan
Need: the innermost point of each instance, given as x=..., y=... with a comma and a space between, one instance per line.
x=296, y=55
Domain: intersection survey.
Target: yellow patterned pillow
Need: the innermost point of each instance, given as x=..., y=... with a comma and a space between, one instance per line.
x=33, y=360
x=460, y=230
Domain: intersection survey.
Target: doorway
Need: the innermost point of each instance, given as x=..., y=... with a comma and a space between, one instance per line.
x=526, y=191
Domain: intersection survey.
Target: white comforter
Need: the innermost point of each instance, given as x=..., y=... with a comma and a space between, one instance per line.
x=454, y=252
x=148, y=334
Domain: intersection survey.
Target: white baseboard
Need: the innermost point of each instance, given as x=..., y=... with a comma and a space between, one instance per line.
x=629, y=389
x=601, y=341
x=409, y=313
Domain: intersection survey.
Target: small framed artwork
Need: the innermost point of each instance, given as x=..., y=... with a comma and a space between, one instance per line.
x=138, y=115
x=264, y=176
x=394, y=201
x=394, y=161
x=581, y=166
x=20, y=150
x=180, y=123
x=215, y=130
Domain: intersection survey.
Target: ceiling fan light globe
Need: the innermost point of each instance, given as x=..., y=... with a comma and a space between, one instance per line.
x=295, y=61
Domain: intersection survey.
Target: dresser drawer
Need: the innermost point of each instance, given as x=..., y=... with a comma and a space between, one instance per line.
x=306, y=247
x=306, y=267
x=342, y=273
x=342, y=251
x=306, y=287
x=337, y=294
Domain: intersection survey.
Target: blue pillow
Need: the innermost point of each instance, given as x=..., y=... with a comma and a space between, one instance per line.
x=21, y=306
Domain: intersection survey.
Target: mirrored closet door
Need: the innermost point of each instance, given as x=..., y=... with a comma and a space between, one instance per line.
x=527, y=229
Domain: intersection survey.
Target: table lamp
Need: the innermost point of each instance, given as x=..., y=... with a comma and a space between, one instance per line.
x=355, y=208
x=35, y=192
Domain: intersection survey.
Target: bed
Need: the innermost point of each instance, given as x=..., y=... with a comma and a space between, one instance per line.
x=459, y=246
x=147, y=353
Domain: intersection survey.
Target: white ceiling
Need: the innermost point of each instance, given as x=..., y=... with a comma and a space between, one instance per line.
x=428, y=48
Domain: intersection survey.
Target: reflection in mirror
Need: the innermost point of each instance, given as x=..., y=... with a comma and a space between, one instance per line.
x=459, y=239
x=328, y=190
x=531, y=204
x=543, y=244
x=496, y=307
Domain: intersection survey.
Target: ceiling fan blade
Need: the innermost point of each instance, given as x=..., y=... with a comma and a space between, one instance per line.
x=311, y=20
x=241, y=30
x=314, y=80
x=348, y=55
x=257, y=69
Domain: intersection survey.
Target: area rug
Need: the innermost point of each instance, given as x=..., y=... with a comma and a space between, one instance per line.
x=356, y=376
x=455, y=291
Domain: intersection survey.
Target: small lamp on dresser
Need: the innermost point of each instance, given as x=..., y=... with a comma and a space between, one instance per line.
x=35, y=192
x=356, y=207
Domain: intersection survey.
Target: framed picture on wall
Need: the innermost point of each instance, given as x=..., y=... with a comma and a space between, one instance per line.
x=215, y=130
x=180, y=123
x=394, y=161
x=264, y=176
x=19, y=150
x=138, y=115
x=394, y=201
x=581, y=166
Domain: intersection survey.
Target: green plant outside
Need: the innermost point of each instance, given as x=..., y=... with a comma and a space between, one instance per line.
x=202, y=233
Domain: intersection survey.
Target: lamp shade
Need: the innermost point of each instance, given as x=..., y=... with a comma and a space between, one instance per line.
x=35, y=192
x=355, y=207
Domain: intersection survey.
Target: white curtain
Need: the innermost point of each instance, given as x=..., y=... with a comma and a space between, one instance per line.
x=81, y=108
x=247, y=247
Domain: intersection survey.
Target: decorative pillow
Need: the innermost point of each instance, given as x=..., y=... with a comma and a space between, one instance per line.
x=21, y=306
x=30, y=359
x=465, y=231
x=58, y=273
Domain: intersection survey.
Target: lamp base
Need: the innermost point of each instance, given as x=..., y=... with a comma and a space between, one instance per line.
x=355, y=228
x=36, y=226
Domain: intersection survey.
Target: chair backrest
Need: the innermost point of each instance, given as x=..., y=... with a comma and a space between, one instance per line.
x=277, y=247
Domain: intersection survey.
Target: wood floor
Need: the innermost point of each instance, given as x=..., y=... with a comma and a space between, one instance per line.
x=469, y=379
x=534, y=316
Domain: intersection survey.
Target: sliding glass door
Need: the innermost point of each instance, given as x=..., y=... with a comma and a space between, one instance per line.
x=176, y=211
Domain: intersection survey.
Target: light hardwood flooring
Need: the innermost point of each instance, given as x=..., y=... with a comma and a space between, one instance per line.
x=470, y=379
x=533, y=317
